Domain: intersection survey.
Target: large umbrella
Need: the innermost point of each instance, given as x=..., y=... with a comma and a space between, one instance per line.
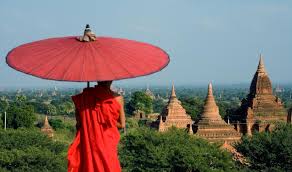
x=87, y=58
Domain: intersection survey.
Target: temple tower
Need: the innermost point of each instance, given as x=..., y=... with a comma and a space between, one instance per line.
x=174, y=115
x=261, y=109
x=149, y=93
x=211, y=126
x=47, y=129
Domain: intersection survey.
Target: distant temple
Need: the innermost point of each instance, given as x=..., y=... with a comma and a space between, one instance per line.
x=149, y=93
x=174, y=114
x=261, y=109
x=211, y=126
x=47, y=129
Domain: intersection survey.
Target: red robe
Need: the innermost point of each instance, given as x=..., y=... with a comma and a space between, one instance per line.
x=94, y=148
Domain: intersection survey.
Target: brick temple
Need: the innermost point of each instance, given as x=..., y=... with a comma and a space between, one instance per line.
x=261, y=109
x=47, y=129
x=174, y=114
x=211, y=126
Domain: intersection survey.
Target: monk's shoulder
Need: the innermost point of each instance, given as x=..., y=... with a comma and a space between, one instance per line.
x=118, y=97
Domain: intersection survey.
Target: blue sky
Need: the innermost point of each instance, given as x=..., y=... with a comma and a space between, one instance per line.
x=215, y=40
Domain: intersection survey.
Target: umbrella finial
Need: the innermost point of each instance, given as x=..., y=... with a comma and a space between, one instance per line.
x=88, y=35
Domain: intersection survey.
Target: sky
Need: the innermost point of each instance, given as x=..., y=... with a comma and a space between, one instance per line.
x=217, y=41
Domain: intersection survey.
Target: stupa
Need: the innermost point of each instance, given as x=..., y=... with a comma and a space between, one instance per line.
x=261, y=109
x=47, y=129
x=174, y=114
x=149, y=93
x=211, y=126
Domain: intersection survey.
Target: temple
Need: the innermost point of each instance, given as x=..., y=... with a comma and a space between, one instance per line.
x=260, y=109
x=211, y=126
x=47, y=129
x=149, y=93
x=174, y=114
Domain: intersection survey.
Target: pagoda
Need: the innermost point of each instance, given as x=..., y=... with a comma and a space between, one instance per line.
x=149, y=93
x=260, y=109
x=211, y=126
x=174, y=114
x=47, y=129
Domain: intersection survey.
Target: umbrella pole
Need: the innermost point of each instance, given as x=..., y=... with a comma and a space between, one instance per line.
x=88, y=84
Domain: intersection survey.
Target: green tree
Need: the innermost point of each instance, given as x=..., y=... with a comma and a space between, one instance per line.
x=139, y=101
x=20, y=99
x=3, y=108
x=269, y=151
x=30, y=151
x=57, y=124
x=20, y=116
x=144, y=149
x=194, y=106
x=158, y=105
x=51, y=109
x=67, y=108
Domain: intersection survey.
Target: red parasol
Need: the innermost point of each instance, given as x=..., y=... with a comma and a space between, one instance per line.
x=87, y=58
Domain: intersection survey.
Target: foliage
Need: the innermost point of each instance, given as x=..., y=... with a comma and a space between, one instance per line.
x=57, y=124
x=139, y=101
x=193, y=106
x=66, y=108
x=20, y=115
x=30, y=151
x=269, y=151
x=158, y=105
x=3, y=105
x=147, y=150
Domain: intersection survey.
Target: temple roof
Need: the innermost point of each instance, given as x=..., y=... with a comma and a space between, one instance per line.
x=211, y=110
x=46, y=123
x=174, y=114
x=261, y=83
x=211, y=126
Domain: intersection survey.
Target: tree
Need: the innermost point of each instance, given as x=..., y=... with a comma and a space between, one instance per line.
x=158, y=105
x=194, y=106
x=57, y=124
x=139, y=101
x=30, y=151
x=269, y=151
x=51, y=109
x=144, y=149
x=3, y=108
x=20, y=116
x=67, y=108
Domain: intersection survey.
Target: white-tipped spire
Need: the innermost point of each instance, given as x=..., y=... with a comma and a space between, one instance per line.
x=210, y=90
x=261, y=66
x=173, y=91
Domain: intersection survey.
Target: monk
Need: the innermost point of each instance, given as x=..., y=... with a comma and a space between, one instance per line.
x=99, y=114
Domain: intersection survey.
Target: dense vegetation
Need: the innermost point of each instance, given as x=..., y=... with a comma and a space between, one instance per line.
x=147, y=150
x=30, y=151
x=269, y=151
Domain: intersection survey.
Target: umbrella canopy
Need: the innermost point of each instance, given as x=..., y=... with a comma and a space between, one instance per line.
x=87, y=58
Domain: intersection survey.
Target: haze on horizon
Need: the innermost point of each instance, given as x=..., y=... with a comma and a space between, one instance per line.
x=217, y=41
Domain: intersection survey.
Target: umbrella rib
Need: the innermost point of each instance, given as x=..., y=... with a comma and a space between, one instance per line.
x=37, y=54
x=148, y=53
x=72, y=61
x=59, y=61
x=92, y=57
x=104, y=60
x=114, y=56
x=47, y=62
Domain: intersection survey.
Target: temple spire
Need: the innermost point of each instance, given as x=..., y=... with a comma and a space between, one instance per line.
x=261, y=66
x=173, y=91
x=211, y=110
x=46, y=122
x=47, y=128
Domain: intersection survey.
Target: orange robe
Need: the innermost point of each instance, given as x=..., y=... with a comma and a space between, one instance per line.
x=94, y=148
